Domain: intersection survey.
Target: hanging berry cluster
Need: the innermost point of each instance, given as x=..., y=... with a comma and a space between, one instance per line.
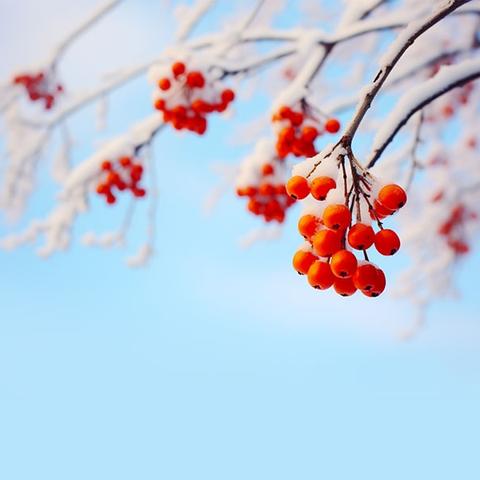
x=332, y=237
x=298, y=129
x=453, y=228
x=186, y=97
x=262, y=181
x=39, y=88
x=124, y=174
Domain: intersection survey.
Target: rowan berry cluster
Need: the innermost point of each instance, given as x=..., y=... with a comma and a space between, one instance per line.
x=39, y=88
x=327, y=257
x=453, y=229
x=186, y=97
x=262, y=181
x=297, y=131
x=124, y=174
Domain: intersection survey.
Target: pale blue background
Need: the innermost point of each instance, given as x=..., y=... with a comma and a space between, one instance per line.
x=214, y=362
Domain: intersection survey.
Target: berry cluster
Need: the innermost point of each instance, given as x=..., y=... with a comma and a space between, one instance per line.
x=125, y=174
x=453, y=229
x=188, y=96
x=327, y=257
x=298, y=130
x=263, y=183
x=39, y=88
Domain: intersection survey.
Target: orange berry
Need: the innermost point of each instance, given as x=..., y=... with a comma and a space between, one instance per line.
x=379, y=285
x=178, y=68
x=332, y=125
x=254, y=206
x=387, y=242
x=160, y=104
x=308, y=225
x=337, y=217
x=297, y=187
x=106, y=165
x=302, y=261
x=326, y=243
x=344, y=286
x=266, y=189
x=267, y=169
x=309, y=134
x=380, y=211
x=365, y=277
x=320, y=187
x=392, y=197
x=361, y=236
x=125, y=161
x=285, y=112
x=320, y=275
x=164, y=84
x=102, y=189
x=296, y=119
x=195, y=79
x=343, y=264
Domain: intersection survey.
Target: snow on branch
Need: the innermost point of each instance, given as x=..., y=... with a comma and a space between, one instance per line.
x=57, y=226
x=448, y=78
x=392, y=57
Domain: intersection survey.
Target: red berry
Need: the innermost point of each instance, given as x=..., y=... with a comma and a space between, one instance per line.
x=387, y=242
x=361, y=236
x=392, y=197
x=195, y=80
x=308, y=225
x=344, y=286
x=106, y=165
x=125, y=161
x=320, y=275
x=297, y=187
x=302, y=261
x=267, y=169
x=178, y=68
x=326, y=243
x=320, y=187
x=343, y=264
x=228, y=95
x=337, y=217
x=332, y=125
x=164, y=84
x=365, y=277
x=309, y=134
x=378, y=286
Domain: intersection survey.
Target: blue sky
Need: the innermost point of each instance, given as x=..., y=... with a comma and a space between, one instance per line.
x=213, y=362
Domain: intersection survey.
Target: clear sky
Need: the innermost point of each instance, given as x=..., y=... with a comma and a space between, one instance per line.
x=213, y=362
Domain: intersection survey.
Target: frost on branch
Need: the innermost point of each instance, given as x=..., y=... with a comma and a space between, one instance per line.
x=419, y=56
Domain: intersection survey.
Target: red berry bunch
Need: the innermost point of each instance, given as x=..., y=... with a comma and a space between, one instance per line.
x=262, y=181
x=124, y=174
x=186, y=97
x=298, y=130
x=453, y=229
x=39, y=88
x=327, y=257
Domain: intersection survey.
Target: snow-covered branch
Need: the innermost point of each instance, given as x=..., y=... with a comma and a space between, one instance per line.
x=447, y=79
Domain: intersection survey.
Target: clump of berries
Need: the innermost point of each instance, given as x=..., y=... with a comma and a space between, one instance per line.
x=39, y=88
x=124, y=174
x=297, y=130
x=186, y=97
x=332, y=237
x=262, y=182
x=453, y=229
